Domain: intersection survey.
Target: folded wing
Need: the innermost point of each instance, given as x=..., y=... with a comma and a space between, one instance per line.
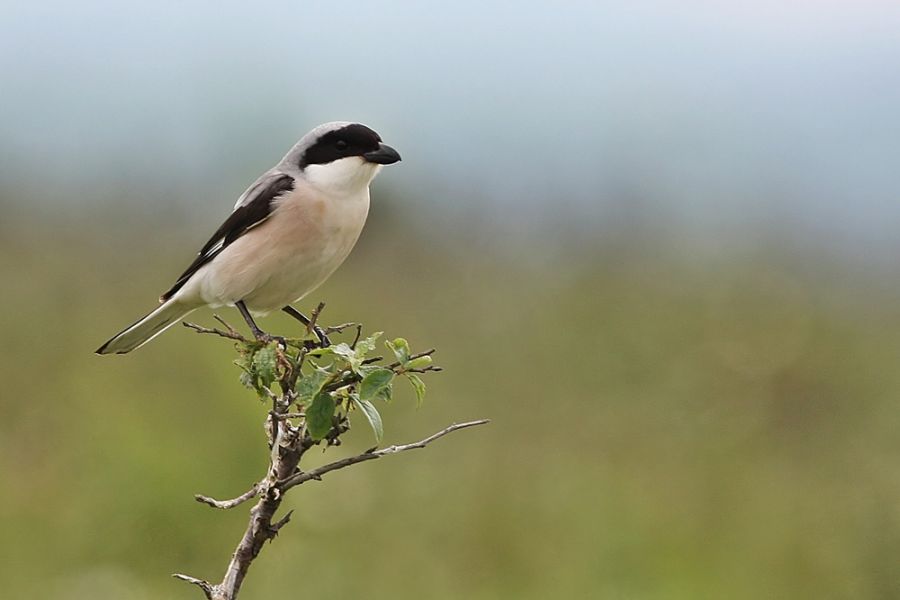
x=251, y=210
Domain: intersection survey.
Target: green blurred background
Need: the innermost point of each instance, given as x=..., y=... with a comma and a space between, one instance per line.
x=655, y=244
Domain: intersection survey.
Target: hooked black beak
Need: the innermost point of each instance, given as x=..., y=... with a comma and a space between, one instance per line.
x=385, y=155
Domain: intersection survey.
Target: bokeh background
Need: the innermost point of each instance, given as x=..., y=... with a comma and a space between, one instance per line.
x=656, y=242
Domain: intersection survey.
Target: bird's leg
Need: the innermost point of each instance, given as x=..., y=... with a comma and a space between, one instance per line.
x=320, y=333
x=259, y=334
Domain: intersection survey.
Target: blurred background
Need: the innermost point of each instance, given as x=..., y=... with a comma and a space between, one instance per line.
x=655, y=242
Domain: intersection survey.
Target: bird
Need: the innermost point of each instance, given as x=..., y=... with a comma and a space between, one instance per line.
x=288, y=232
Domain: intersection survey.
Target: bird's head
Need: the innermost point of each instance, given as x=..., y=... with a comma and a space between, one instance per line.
x=341, y=157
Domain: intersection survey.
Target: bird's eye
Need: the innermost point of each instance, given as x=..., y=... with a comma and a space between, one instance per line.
x=341, y=145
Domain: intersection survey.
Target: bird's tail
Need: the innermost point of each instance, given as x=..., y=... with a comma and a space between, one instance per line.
x=147, y=328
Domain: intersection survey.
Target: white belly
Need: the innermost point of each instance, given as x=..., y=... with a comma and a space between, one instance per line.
x=305, y=239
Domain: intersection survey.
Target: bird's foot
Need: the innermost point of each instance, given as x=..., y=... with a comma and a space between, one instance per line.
x=265, y=338
x=323, y=338
x=324, y=342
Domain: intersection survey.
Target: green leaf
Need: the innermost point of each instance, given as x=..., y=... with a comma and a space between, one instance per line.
x=343, y=349
x=386, y=393
x=319, y=414
x=322, y=352
x=418, y=386
x=259, y=366
x=263, y=366
x=311, y=384
x=366, y=369
x=248, y=380
x=400, y=348
x=419, y=363
x=374, y=383
x=372, y=416
x=355, y=356
x=366, y=345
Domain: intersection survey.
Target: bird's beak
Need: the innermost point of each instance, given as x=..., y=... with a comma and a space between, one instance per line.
x=385, y=155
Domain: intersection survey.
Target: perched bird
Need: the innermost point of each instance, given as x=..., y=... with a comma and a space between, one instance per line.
x=286, y=235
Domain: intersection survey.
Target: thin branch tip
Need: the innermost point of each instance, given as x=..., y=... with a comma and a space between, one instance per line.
x=201, y=583
x=316, y=474
x=276, y=527
x=226, y=504
x=231, y=333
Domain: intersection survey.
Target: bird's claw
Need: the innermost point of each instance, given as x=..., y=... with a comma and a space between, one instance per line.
x=264, y=338
x=323, y=338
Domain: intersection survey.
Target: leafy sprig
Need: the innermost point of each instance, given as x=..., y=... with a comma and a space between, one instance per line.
x=327, y=383
x=313, y=386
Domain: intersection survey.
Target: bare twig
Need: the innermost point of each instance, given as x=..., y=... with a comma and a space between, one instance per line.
x=314, y=317
x=339, y=328
x=298, y=478
x=294, y=373
x=357, y=336
x=224, y=323
x=293, y=415
x=203, y=585
x=283, y=521
x=230, y=333
x=253, y=492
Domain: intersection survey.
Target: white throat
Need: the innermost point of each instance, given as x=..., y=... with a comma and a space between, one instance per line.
x=342, y=177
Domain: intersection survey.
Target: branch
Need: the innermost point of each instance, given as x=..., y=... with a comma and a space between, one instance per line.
x=261, y=527
x=295, y=480
x=226, y=504
x=339, y=328
x=349, y=377
x=203, y=585
x=229, y=333
x=288, y=441
x=314, y=318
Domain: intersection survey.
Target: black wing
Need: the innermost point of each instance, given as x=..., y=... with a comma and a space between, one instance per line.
x=254, y=208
